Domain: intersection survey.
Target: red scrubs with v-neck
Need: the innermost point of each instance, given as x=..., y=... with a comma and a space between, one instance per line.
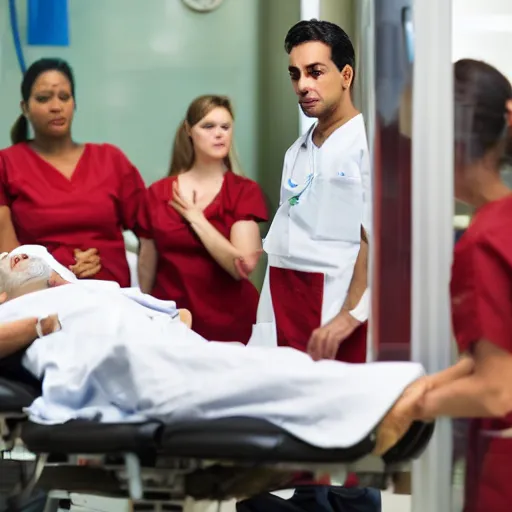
x=223, y=309
x=481, y=294
x=89, y=210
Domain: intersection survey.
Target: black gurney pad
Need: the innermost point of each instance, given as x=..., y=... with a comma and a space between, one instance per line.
x=14, y=396
x=205, y=459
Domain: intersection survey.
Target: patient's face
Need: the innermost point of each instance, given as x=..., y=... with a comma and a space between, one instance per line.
x=20, y=270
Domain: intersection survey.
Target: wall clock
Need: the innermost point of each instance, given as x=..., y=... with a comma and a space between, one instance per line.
x=203, y=5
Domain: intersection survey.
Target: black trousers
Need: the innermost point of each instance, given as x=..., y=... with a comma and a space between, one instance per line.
x=317, y=499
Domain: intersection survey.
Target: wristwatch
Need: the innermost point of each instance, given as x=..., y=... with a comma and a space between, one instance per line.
x=39, y=328
x=362, y=310
x=47, y=325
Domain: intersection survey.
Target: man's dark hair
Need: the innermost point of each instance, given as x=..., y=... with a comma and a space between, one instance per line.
x=342, y=50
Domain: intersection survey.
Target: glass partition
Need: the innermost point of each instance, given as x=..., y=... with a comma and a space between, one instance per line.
x=394, y=55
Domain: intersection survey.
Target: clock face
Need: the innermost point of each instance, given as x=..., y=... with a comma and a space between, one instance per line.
x=202, y=5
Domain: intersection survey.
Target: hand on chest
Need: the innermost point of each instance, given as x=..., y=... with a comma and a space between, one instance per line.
x=184, y=202
x=200, y=194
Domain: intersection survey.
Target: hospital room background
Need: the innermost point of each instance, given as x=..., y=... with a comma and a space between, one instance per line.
x=139, y=63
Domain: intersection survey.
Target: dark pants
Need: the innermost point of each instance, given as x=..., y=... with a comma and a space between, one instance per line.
x=35, y=503
x=317, y=499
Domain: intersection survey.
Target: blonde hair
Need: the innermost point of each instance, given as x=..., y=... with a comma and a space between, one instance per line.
x=183, y=154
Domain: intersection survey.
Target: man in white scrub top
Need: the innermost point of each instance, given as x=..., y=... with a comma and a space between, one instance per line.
x=314, y=297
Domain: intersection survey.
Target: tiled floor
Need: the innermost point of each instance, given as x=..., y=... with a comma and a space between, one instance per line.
x=395, y=503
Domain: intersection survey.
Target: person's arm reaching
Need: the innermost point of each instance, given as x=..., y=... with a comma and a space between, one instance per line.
x=19, y=334
x=482, y=320
x=485, y=392
x=407, y=408
x=404, y=412
x=464, y=367
x=146, y=264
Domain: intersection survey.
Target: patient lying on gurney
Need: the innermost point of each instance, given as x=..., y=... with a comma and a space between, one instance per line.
x=102, y=355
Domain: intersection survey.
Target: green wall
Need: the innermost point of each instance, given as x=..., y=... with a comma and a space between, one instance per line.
x=278, y=114
x=138, y=64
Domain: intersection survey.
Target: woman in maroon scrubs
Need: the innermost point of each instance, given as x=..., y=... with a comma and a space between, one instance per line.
x=480, y=385
x=200, y=221
x=75, y=199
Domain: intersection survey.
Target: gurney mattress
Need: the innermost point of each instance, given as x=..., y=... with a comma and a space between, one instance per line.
x=233, y=439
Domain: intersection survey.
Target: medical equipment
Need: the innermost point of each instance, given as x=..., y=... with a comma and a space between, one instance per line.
x=152, y=462
x=48, y=22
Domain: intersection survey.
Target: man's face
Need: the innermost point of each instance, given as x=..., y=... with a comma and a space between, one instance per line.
x=20, y=270
x=318, y=83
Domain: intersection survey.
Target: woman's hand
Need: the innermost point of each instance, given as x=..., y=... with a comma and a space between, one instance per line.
x=413, y=397
x=325, y=341
x=186, y=317
x=399, y=419
x=56, y=280
x=245, y=265
x=88, y=263
x=187, y=209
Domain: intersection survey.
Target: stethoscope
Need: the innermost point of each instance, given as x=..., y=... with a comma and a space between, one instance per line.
x=294, y=200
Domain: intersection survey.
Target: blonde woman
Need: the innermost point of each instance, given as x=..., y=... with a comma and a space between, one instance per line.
x=201, y=222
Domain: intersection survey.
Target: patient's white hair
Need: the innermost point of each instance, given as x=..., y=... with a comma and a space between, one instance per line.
x=36, y=270
x=38, y=251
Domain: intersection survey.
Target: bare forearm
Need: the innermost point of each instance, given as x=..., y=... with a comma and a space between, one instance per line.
x=463, y=368
x=8, y=243
x=359, y=281
x=17, y=335
x=146, y=265
x=467, y=397
x=8, y=237
x=219, y=247
x=484, y=392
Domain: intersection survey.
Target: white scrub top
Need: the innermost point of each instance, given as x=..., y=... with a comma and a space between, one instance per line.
x=325, y=199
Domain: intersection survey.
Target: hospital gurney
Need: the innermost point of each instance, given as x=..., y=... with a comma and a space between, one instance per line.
x=204, y=460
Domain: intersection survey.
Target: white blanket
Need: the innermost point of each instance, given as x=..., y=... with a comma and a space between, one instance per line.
x=116, y=360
